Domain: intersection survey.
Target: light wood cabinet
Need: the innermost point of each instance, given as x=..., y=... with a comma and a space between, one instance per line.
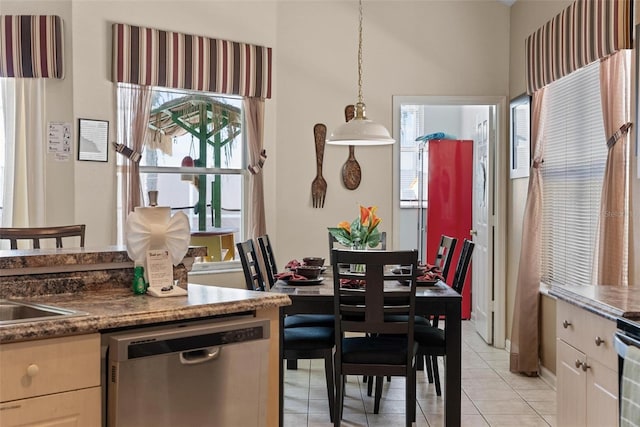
x=53, y=382
x=586, y=369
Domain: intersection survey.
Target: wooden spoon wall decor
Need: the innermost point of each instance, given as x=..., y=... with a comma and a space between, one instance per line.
x=351, y=172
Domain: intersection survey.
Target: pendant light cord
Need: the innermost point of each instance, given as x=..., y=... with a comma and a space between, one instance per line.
x=360, y=54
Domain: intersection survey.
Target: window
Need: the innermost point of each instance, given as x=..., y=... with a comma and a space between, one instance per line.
x=575, y=154
x=413, y=157
x=194, y=156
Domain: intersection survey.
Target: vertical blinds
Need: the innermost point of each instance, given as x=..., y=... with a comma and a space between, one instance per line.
x=575, y=154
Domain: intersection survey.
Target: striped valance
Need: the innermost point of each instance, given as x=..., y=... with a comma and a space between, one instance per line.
x=31, y=46
x=584, y=32
x=150, y=57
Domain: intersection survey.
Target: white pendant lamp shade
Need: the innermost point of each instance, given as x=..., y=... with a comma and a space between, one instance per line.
x=360, y=130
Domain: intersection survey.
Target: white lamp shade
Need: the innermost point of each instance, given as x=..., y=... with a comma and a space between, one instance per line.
x=360, y=131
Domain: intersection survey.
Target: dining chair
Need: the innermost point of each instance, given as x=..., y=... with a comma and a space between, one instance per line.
x=271, y=269
x=445, y=254
x=36, y=234
x=250, y=266
x=300, y=342
x=366, y=342
x=431, y=338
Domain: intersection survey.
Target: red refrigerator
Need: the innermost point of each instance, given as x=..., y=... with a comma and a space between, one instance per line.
x=449, y=208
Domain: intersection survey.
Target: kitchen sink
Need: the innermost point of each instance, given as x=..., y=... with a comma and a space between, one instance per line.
x=17, y=311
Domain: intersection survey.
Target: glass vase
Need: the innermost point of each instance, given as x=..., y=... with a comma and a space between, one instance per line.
x=358, y=268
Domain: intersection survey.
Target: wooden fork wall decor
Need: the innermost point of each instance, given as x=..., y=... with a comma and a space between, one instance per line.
x=319, y=185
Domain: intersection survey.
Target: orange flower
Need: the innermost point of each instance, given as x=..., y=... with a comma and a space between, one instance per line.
x=368, y=217
x=345, y=226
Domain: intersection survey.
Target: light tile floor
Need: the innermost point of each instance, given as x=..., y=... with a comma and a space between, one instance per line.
x=491, y=395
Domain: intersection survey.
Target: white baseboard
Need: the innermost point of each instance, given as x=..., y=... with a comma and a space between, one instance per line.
x=546, y=375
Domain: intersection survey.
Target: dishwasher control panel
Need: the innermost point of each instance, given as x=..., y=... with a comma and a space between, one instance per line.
x=142, y=343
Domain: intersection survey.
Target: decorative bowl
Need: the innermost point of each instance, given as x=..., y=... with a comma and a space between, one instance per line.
x=313, y=261
x=309, y=271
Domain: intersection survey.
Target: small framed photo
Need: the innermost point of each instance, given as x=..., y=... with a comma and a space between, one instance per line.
x=93, y=140
x=520, y=153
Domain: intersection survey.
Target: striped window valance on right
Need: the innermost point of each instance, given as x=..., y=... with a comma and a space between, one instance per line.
x=31, y=46
x=150, y=57
x=584, y=32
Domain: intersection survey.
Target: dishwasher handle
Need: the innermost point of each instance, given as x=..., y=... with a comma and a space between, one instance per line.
x=195, y=357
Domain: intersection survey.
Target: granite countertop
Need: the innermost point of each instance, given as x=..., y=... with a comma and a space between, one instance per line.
x=115, y=308
x=610, y=302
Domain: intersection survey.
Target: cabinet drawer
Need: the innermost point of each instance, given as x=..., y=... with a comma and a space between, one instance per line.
x=73, y=408
x=570, y=326
x=36, y=368
x=584, y=330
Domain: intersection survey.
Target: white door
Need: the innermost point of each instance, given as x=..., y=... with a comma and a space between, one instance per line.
x=482, y=260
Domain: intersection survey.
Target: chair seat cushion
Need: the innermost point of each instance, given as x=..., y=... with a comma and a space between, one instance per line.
x=419, y=320
x=299, y=320
x=308, y=338
x=428, y=336
x=385, y=350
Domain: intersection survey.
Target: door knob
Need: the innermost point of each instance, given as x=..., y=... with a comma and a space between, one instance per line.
x=599, y=341
x=566, y=324
x=473, y=232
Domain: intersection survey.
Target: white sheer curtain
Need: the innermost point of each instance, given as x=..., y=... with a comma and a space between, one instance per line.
x=25, y=150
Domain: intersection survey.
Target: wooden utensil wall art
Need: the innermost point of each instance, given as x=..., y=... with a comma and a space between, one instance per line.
x=319, y=185
x=351, y=172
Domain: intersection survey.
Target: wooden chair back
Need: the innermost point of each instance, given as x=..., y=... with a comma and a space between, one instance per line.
x=268, y=258
x=364, y=310
x=462, y=268
x=35, y=234
x=445, y=254
x=250, y=266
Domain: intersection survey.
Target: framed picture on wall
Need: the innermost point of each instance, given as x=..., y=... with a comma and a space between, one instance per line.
x=520, y=135
x=93, y=137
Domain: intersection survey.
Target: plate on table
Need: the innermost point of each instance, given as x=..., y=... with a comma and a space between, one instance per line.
x=421, y=283
x=426, y=282
x=304, y=282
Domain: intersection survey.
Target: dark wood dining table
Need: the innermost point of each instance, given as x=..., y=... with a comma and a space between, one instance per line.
x=438, y=299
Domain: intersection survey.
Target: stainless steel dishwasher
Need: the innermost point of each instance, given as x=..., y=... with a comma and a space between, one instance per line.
x=189, y=374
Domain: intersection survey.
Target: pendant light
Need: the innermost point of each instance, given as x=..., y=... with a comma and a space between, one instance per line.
x=360, y=130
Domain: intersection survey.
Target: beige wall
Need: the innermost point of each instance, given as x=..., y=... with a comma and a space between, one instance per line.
x=410, y=48
x=406, y=52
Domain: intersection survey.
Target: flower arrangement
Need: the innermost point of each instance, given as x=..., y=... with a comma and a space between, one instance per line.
x=361, y=232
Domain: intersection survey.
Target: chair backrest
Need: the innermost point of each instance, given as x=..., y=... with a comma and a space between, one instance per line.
x=250, y=265
x=364, y=309
x=36, y=234
x=445, y=254
x=459, y=277
x=268, y=258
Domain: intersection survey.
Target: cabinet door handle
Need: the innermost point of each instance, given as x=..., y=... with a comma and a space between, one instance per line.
x=578, y=363
x=585, y=367
x=599, y=341
x=566, y=324
x=32, y=370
